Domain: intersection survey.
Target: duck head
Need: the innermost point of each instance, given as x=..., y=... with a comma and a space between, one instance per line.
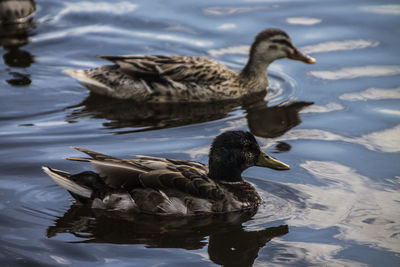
x=272, y=44
x=234, y=151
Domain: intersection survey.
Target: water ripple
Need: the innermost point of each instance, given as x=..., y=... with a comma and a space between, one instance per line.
x=303, y=21
x=339, y=46
x=319, y=254
x=227, y=26
x=103, y=29
x=382, y=9
x=356, y=72
x=351, y=206
x=239, y=50
x=60, y=260
x=344, y=203
x=117, y=8
x=389, y=111
x=323, y=47
x=323, y=109
x=387, y=140
x=372, y=94
x=348, y=204
x=225, y=11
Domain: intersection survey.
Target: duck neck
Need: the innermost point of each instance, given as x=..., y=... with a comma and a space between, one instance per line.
x=225, y=172
x=254, y=75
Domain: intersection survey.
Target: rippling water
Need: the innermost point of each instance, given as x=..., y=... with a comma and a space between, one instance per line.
x=340, y=200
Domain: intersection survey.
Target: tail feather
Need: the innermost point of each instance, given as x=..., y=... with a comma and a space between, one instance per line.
x=91, y=153
x=63, y=179
x=78, y=159
x=92, y=84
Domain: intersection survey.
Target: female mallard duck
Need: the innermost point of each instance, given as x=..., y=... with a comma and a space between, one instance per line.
x=189, y=78
x=172, y=187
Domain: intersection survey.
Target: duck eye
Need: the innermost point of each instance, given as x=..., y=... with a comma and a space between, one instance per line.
x=283, y=42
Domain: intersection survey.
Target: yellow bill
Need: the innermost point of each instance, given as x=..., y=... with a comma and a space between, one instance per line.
x=267, y=161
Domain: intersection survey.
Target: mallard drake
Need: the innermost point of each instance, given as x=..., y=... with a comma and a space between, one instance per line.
x=189, y=78
x=171, y=187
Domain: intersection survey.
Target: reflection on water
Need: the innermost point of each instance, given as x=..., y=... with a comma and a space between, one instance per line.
x=338, y=46
x=126, y=33
x=389, y=111
x=227, y=26
x=15, y=22
x=271, y=122
x=356, y=72
x=384, y=141
x=323, y=109
x=240, y=49
x=343, y=205
x=147, y=116
x=17, y=58
x=382, y=9
x=301, y=253
x=16, y=11
x=263, y=121
x=309, y=49
x=118, y=8
x=303, y=20
x=360, y=216
x=372, y=94
x=228, y=244
x=226, y=11
x=19, y=78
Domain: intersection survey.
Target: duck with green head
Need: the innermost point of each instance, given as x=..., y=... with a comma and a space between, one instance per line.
x=168, y=186
x=189, y=78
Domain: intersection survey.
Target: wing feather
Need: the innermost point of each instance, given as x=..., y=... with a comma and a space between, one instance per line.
x=173, y=68
x=116, y=172
x=169, y=175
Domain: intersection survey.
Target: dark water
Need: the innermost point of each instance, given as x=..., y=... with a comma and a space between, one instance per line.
x=340, y=200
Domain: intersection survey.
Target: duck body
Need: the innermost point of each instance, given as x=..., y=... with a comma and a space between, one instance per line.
x=163, y=79
x=181, y=193
x=188, y=78
x=171, y=187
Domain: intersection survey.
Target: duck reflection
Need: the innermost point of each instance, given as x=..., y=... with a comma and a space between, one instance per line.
x=229, y=243
x=271, y=122
x=15, y=22
x=263, y=121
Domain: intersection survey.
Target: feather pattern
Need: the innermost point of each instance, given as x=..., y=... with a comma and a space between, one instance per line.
x=180, y=78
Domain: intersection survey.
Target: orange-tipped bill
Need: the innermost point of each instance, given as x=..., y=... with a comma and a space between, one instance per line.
x=297, y=55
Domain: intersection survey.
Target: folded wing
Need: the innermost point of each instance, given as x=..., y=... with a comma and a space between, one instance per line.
x=185, y=69
x=186, y=177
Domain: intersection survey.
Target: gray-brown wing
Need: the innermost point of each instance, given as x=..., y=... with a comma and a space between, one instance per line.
x=116, y=172
x=187, y=176
x=171, y=163
x=188, y=182
x=200, y=70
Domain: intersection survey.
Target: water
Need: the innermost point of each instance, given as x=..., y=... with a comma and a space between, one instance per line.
x=340, y=200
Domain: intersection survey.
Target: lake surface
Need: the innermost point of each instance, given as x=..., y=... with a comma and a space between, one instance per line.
x=340, y=200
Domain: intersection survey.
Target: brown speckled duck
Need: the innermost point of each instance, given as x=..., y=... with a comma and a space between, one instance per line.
x=172, y=187
x=189, y=78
